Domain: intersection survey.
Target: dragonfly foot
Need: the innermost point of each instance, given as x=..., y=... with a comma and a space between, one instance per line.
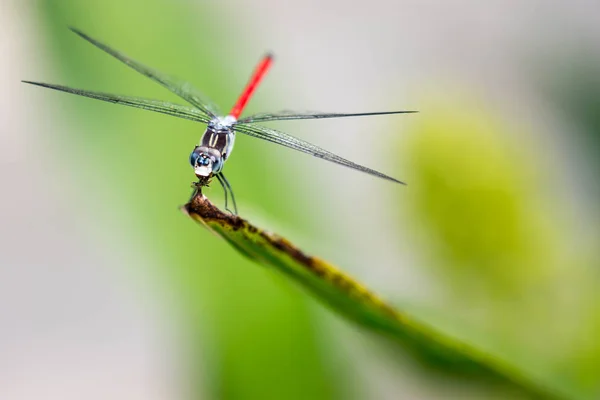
x=231, y=212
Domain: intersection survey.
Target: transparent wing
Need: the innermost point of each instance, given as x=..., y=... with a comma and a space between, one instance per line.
x=273, y=136
x=178, y=87
x=288, y=115
x=163, y=107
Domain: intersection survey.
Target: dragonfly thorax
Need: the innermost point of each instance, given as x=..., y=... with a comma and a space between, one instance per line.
x=222, y=123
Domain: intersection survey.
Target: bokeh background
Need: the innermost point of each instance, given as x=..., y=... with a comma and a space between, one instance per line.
x=108, y=291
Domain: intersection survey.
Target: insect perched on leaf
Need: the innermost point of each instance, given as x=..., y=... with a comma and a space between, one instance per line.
x=216, y=144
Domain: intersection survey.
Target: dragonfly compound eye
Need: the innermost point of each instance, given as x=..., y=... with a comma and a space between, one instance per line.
x=193, y=158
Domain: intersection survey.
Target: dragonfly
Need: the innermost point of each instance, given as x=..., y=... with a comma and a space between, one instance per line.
x=216, y=144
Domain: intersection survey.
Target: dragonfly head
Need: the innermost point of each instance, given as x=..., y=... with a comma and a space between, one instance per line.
x=206, y=161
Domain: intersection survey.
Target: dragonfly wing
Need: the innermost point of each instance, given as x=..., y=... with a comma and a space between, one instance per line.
x=182, y=89
x=274, y=136
x=163, y=107
x=288, y=115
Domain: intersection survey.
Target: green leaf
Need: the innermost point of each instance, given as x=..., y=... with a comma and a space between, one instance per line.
x=350, y=298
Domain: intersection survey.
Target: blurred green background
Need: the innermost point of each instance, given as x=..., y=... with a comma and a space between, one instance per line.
x=110, y=292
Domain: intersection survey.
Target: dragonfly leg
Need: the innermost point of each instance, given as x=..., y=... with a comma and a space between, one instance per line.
x=224, y=189
x=231, y=193
x=227, y=188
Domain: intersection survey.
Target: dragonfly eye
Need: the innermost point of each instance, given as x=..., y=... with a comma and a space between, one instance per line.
x=193, y=158
x=217, y=164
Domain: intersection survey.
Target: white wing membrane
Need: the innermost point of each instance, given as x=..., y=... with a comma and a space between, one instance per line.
x=163, y=107
x=176, y=86
x=283, y=139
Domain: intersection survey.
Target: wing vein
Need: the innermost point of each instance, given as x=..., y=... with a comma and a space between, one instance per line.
x=285, y=116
